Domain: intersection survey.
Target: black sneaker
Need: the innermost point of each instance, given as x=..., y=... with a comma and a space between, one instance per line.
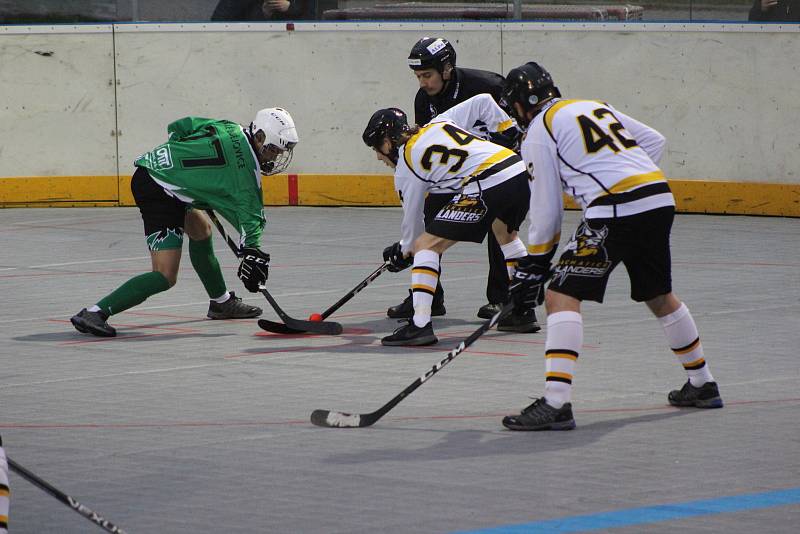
x=233, y=308
x=405, y=310
x=541, y=416
x=93, y=323
x=410, y=335
x=706, y=396
x=487, y=311
x=524, y=323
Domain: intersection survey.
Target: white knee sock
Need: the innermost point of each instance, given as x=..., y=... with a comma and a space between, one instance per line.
x=683, y=339
x=562, y=347
x=424, y=278
x=4, y=492
x=512, y=252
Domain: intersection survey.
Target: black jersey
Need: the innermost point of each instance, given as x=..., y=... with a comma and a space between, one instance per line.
x=465, y=84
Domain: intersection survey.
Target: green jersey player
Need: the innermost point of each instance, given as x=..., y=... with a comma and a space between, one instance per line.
x=205, y=164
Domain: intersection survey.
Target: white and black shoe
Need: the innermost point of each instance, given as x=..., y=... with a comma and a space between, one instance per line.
x=233, y=308
x=93, y=323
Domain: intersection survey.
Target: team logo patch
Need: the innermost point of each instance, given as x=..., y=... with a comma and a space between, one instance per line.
x=585, y=254
x=160, y=158
x=435, y=46
x=464, y=208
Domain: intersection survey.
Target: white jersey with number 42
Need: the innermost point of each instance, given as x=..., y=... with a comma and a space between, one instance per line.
x=605, y=160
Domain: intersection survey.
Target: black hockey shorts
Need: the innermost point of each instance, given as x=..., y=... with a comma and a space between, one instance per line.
x=162, y=214
x=640, y=242
x=468, y=216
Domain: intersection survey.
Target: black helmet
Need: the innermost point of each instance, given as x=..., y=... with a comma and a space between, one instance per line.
x=388, y=122
x=528, y=85
x=432, y=53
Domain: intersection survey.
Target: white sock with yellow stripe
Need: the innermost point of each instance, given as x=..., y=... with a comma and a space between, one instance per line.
x=562, y=347
x=4, y=492
x=683, y=339
x=512, y=252
x=424, y=278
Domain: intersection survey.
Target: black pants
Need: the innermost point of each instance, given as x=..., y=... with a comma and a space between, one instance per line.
x=497, y=282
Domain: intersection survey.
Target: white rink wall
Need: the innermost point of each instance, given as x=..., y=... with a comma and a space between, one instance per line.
x=87, y=99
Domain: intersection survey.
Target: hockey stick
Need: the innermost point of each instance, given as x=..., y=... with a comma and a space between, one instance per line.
x=332, y=419
x=283, y=329
x=318, y=327
x=82, y=509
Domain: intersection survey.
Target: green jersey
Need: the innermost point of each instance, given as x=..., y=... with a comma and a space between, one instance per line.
x=209, y=164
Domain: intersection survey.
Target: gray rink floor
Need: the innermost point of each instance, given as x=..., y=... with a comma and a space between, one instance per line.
x=183, y=424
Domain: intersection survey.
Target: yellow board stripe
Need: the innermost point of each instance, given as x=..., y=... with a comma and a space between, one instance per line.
x=4, y=493
x=694, y=196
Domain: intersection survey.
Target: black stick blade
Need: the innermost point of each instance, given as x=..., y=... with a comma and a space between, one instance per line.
x=277, y=328
x=328, y=328
x=329, y=419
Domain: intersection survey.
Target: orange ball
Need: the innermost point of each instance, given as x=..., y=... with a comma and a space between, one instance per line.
x=315, y=317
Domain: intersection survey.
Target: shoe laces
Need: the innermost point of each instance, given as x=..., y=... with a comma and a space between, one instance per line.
x=404, y=323
x=533, y=407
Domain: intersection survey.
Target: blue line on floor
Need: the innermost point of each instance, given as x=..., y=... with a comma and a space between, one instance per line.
x=651, y=514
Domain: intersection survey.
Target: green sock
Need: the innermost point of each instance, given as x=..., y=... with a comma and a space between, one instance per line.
x=133, y=292
x=206, y=265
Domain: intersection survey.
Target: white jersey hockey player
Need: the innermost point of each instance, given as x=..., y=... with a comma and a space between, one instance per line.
x=490, y=191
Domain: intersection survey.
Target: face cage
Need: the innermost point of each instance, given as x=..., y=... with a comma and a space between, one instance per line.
x=279, y=164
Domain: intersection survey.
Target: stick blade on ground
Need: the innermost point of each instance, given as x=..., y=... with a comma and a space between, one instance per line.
x=328, y=328
x=329, y=419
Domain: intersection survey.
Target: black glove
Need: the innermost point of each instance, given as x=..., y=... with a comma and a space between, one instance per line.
x=527, y=286
x=509, y=138
x=254, y=268
x=394, y=255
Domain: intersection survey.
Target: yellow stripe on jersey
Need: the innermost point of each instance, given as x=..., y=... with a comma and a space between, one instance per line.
x=544, y=248
x=550, y=113
x=495, y=158
x=411, y=141
x=505, y=125
x=631, y=182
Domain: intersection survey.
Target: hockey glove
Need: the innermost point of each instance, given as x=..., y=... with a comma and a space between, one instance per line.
x=527, y=286
x=394, y=255
x=253, y=269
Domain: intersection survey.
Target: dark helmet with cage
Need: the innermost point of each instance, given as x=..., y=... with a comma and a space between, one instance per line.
x=388, y=123
x=529, y=85
x=432, y=53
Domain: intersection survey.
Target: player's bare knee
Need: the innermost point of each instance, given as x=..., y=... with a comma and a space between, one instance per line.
x=197, y=226
x=663, y=304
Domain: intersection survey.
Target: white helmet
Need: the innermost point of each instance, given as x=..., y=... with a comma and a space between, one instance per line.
x=281, y=135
